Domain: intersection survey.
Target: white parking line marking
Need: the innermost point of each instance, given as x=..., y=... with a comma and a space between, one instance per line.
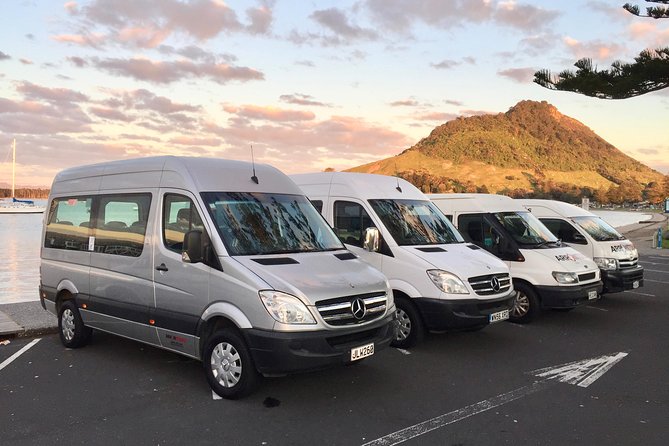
x=641, y=294
x=650, y=263
x=404, y=352
x=654, y=281
x=658, y=257
x=25, y=348
x=215, y=396
x=581, y=373
x=656, y=271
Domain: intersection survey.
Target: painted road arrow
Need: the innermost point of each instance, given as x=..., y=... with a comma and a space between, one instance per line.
x=580, y=373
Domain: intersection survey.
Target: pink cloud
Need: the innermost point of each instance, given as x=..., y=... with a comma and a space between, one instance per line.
x=439, y=117
x=92, y=40
x=168, y=72
x=520, y=75
x=598, y=50
x=56, y=95
x=194, y=141
x=110, y=113
x=269, y=113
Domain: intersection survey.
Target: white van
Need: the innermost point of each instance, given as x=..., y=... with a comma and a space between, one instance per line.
x=212, y=259
x=587, y=233
x=439, y=282
x=546, y=273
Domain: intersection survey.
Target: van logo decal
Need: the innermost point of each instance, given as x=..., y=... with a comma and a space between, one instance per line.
x=494, y=283
x=566, y=257
x=358, y=309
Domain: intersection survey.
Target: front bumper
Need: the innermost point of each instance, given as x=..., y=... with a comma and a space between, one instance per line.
x=568, y=296
x=453, y=315
x=281, y=353
x=622, y=279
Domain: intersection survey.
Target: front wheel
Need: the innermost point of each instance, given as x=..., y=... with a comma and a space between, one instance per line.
x=73, y=332
x=525, y=305
x=228, y=365
x=409, y=325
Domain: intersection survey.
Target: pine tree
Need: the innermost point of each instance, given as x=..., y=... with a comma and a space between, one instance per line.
x=649, y=71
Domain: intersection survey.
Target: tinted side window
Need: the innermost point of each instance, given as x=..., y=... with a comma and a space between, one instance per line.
x=350, y=220
x=68, y=223
x=121, y=224
x=318, y=204
x=179, y=217
x=564, y=231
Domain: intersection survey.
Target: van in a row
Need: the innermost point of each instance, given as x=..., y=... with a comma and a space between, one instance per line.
x=440, y=282
x=617, y=258
x=546, y=272
x=212, y=259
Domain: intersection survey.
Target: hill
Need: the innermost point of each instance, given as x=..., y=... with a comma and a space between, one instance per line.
x=531, y=150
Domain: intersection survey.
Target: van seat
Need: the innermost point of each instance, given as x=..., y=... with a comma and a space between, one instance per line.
x=115, y=225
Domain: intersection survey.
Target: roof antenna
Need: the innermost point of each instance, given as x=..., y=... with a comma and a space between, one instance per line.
x=253, y=161
x=398, y=179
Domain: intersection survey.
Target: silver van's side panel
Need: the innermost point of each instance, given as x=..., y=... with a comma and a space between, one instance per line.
x=120, y=326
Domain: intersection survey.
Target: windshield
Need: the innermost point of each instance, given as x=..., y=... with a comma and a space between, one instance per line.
x=415, y=222
x=260, y=223
x=525, y=228
x=598, y=229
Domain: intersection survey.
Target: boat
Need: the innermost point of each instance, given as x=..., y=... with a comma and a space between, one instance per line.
x=14, y=205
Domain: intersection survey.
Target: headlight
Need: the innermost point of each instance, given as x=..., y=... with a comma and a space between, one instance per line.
x=563, y=278
x=606, y=264
x=447, y=282
x=285, y=308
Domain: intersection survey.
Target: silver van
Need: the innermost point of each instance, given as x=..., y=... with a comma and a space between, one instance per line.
x=217, y=260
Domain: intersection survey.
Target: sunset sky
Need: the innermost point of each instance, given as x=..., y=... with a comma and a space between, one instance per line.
x=310, y=84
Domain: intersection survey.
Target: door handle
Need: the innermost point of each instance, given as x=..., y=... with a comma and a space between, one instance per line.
x=161, y=267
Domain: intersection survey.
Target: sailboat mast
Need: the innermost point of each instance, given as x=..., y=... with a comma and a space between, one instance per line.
x=13, y=164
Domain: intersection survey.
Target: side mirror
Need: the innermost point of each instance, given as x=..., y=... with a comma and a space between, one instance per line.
x=193, y=247
x=372, y=241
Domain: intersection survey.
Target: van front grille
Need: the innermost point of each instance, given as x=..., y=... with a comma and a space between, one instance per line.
x=586, y=276
x=353, y=310
x=487, y=285
x=628, y=263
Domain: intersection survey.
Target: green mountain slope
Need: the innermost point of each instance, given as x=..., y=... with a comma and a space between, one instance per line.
x=532, y=147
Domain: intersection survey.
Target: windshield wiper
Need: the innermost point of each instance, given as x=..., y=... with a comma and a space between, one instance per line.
x=548, y=242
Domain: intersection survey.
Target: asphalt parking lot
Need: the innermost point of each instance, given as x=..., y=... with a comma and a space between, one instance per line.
x=453, y=389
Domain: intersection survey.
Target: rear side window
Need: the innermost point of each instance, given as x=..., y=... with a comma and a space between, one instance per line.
x=68, y=223
x=318, y=204
x=350, y=220
x=179, y=217
x=121, y=224
x=564, y=231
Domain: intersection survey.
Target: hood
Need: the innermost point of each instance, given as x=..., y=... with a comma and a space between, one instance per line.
x=460, y=259
x=618, y=249
x=569, y=259
x=316, y=276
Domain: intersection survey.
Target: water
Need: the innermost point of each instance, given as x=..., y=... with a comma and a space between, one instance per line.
x=20, y=242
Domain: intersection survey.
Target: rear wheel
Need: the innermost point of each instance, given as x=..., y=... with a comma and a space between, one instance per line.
x=73, y=332
x=228, y=365
x=409, y=325
x=525, y=305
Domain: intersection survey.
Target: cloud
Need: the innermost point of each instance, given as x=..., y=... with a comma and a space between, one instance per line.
x=336, y=21
x=53, y=95
x=269, y=113
x=305, y=63
x=596, y=49
x=523, y=17
x=4, y=56
x=405, y=103
x=77, y=61
x=28, y=117
x=520, y=75
x=191, y=141
x=26, y=61
x=168, y=72
x=148, y=23
x=302, y=99
x=110, y=113
x=453, y=102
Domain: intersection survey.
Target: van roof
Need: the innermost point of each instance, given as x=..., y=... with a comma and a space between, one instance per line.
x=557, y=207
x=364, y=186
x=476, y=202
x=191, y=173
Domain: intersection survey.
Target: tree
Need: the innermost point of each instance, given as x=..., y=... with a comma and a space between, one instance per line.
x=649, y=72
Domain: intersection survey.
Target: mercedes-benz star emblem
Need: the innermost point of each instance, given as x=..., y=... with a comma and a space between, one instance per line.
x=494, y=283
x=358, y=309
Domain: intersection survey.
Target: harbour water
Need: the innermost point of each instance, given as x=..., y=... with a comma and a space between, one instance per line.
x=20, y=246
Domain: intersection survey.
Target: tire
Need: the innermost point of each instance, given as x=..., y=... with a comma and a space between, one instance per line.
x=525, y=305
x=409, y=325
x=228, y=365
x=73, y=332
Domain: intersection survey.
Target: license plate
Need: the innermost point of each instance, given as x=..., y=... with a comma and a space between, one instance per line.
x=362, y=352
x=635, y=284
x=499, y=316
x=592, y=295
